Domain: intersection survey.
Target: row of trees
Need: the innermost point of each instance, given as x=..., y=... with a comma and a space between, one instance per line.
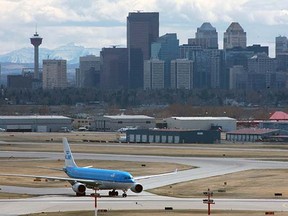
x=130, y=98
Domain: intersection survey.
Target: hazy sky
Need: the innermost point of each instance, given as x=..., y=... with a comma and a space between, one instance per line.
x=102, y=23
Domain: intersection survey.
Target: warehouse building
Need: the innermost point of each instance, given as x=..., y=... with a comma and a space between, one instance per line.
x=252, y=135
x=201, y=123
x=172, y=136
x=116, y=122
x=35, y=123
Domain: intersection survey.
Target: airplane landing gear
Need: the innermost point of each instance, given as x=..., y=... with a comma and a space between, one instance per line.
x=113, y=193
x=124, y=195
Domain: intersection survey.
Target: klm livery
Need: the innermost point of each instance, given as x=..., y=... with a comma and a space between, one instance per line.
x=81, y=178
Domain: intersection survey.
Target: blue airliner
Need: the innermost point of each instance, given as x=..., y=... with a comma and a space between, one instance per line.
x=81, y=178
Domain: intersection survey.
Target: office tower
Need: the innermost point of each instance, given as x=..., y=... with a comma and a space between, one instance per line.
x=181, y=74
x=154, y=74
x=206, y=37
x=166, y=48
x=142, y=31
x=114, y=68
x=261, y=72
x=257, y=48
x=54, y=74
x=237, y=77
x=234, y=36
x=281, y=45
x=89, y=72
x=36, y=42
x=208, y=66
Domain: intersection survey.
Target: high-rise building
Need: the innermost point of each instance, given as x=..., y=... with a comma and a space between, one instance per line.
x=257, y=48
x=89, y=72
x=237, y=77
x=154, y=74
x=36, y=42
x=142, y=31
x=234, y=36
x=206, y=37
x=166, y=48
x=54, y=74
x=208, y=65
x=281, y=45
x=261, y=71
x=181, y=74
x=114, y=68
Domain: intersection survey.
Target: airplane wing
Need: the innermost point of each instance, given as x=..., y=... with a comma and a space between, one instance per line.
x=157, y=175
x=87, y=181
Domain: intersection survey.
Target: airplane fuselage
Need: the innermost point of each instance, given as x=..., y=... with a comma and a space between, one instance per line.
x=105, y=179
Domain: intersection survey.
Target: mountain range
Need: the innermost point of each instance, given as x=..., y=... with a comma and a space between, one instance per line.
x=69, y=52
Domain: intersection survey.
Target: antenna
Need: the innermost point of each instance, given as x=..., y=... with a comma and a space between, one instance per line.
x=36, y=34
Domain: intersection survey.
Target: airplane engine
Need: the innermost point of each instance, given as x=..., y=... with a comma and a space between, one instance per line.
x=79, y=188
x=137, y=188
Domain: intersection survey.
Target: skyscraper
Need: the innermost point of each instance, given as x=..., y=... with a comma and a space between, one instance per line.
x=166, y=48
x=153, y=74
x=89, y=73
x=114, y=70
x=181, y=74
x=206, y=37
x=54, y=74
x=281, y=45
x=142, y=30
x=234, y=36
x=36, y=42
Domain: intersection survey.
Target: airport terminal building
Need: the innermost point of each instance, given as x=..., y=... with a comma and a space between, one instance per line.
x=36, y=123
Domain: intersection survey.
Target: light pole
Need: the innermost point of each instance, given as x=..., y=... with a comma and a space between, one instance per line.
x=208, y=201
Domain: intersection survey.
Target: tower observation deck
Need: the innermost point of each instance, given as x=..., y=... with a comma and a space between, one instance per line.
x=36, y=41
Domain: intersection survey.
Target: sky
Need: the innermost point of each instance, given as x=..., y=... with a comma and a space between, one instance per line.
x=102, y=23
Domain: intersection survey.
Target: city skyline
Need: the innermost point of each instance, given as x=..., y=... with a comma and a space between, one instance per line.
x=103, y=23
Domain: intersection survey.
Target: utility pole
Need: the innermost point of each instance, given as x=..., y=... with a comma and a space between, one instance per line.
x=208, y=201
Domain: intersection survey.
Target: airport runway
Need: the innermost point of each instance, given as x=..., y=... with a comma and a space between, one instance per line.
x=207, y=167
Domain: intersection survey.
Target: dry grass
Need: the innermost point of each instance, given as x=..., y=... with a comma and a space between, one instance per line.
x=160, y=213
x=247, y=184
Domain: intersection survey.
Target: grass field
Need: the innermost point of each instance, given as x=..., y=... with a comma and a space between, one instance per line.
x=159, y=213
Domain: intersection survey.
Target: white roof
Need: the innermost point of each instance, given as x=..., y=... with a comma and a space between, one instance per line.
x=202, y=118
x=128, y=117
x=35, y=117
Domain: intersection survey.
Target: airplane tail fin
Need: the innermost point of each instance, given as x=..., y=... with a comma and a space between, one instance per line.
x=69, y=160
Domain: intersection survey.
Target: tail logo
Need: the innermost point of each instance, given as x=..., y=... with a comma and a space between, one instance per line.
x=67, y=155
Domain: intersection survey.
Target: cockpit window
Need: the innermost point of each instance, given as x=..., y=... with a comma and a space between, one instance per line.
x=128, y=177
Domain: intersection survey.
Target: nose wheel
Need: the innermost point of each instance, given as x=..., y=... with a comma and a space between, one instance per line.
x=124, y=195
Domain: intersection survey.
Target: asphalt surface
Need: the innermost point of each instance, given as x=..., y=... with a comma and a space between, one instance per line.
x=63, y=199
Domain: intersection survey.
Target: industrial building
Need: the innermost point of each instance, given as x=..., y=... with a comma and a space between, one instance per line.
x=201, y=123
x=114, y=123
x=252, y=135
x=35, y=123
x=173, y=136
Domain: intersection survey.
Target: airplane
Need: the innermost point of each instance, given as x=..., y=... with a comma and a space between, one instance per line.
x=82, y=178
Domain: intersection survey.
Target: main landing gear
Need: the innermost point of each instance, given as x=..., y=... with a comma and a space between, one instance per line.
x=114, y=193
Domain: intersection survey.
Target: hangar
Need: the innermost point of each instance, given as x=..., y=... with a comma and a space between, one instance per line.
x=115, y=122
x=35, y=123
x=173, y=136
x=201, y=123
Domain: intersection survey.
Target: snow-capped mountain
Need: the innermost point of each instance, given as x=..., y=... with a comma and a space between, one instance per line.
x=69, y=52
